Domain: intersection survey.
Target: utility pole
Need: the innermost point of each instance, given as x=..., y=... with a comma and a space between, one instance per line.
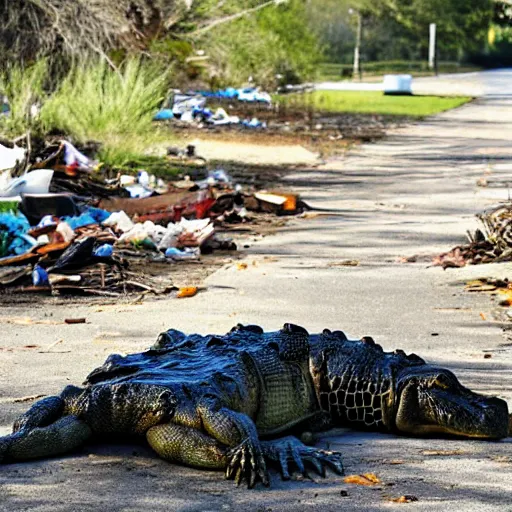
x=432, y=61
x=357, y=48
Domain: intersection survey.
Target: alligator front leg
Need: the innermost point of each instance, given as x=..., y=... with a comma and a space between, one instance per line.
x=220, y=439
x=238, y=432
x=187, y=445
x=289, y=450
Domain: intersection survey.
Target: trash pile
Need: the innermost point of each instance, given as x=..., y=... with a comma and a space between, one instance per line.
x=246, y=94
x=491, y=244
x=192, y=108
x=68, y=229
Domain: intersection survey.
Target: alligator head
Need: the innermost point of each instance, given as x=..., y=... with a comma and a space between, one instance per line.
x=361, y=385
x=431, y=400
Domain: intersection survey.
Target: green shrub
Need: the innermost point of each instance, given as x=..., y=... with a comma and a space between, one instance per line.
x=112, y=106
x=273, y=41
x=23, y=88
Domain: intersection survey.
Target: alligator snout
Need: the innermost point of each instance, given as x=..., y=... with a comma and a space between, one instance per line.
x=439, y=404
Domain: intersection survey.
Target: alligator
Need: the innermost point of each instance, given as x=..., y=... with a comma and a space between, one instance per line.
x=237, y=402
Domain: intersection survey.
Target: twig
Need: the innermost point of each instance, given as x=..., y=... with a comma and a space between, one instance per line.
x=30, y=398
x=49, y=347
x=232, y=17
x=142, y=286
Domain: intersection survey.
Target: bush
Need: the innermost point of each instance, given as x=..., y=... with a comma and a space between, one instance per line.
x=275, y=41
x=23, y=88
x=112, y=106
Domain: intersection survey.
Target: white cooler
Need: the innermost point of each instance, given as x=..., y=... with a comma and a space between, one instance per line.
x=397, y=84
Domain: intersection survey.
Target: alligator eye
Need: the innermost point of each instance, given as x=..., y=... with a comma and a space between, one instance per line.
x=442, y=381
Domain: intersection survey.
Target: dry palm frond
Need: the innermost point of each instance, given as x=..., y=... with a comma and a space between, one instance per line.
x=33, y=27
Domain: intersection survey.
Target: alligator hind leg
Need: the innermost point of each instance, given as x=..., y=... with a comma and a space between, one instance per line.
x=187, y=445
x=60, y=437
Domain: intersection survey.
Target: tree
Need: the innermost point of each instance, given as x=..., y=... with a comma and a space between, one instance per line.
x=398, y=29
x=462, y=25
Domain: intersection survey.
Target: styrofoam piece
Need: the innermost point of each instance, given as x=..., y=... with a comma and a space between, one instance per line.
x=35, y=182
x=397, y=84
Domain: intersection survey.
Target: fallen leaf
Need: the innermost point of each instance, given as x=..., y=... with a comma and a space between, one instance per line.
x=408, y=259
x=506, y=296
x=187, y=291
x=475, y=283
x=365, y=479
x=453, y=259
x=480, y=285
x=344, y=263
x=241, y=266
x=406, y=498
x=482, y=316
x=442, y=453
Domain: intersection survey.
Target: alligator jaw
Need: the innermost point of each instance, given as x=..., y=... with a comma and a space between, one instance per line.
x=436, y=403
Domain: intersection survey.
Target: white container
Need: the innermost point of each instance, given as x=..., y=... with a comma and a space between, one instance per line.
x=35, y=182
x=397, y=84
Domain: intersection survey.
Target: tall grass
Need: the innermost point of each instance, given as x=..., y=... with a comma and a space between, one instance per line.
x=23, y=88
x=114, y=107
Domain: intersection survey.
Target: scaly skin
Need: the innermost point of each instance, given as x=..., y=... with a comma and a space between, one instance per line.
x=207, y=401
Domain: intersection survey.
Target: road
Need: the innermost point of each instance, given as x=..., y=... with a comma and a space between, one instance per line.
x=413, y=193
x=477, y=84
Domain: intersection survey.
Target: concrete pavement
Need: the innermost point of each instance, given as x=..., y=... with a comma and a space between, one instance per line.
x=475, y=84
x=413, y=193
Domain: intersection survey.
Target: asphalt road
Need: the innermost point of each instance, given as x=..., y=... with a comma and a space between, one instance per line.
x=478, y=84
x=414, y=193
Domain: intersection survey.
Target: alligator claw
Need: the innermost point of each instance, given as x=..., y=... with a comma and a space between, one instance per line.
x=290, y=450
x=246, y=462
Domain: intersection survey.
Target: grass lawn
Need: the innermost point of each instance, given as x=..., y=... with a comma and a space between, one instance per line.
x=375, y=102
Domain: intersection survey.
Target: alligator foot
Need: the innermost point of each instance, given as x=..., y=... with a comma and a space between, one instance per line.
x=246, y=461
x=290, y=450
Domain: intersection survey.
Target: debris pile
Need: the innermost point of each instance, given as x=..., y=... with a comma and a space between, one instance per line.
x=192, y=108
x=491, y=244
x=76, y=231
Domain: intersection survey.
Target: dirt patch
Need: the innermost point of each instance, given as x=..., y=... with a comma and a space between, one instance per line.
x=321, y=134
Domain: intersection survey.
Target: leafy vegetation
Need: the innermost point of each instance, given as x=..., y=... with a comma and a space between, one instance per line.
x=398, y=29
x=274, y=41
x=114, y=106
x=22, y=88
